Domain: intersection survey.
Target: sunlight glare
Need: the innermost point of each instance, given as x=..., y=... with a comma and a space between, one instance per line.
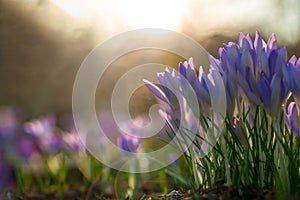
x=138, y=13
x=153, y=13
x=72, y=7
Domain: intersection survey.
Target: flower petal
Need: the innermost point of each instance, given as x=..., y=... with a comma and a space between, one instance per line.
x=264, y=90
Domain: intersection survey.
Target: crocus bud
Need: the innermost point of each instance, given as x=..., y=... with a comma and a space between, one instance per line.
x=240, y=130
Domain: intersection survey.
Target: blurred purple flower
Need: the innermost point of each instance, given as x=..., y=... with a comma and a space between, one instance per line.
x=6, y=175
x=292, y=77
x=73, y=141
x=293, y=119
x=131, y=142
x=9, y=126
x=43, y=130
x=50, y=143
x=40, y=127
x=15, y=147
x=26, y=148
x=257, y=67
x=128, y=143
x=9, y=123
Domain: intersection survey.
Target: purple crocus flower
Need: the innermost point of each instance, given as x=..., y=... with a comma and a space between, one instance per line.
x=292, y=77
x=257, y=67
x=293, y=119
x=198, y=80
x=228, y=55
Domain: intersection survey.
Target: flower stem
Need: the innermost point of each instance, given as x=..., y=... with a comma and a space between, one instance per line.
x=283, y=168
x=227, y=167
x=260, y=155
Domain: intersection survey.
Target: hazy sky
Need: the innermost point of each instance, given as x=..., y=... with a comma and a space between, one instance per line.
x=43, y=42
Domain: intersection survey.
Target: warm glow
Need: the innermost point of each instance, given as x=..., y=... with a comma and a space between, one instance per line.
x=72, y=7
x=153, y=13
x=138, y=13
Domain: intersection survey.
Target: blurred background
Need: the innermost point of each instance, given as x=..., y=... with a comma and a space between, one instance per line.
x=43, y=42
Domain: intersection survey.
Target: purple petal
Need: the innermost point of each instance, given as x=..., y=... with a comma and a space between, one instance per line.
x=293, y=60
x=243, y=80
x=292, y=119
x=156, y=91
x=233, y=52
x=264, y=90
x=240, y=38
x=182, y=69
x=169, y=83
x=287, y=74
x=250, y=79
x=246, y=45
x=246, y=61
x=265, y=63
x=249, y=39
x=215, y=62
x=258, y=45
x=291, y=108
x=277, y=94
x=272, y=43
x=291, y=75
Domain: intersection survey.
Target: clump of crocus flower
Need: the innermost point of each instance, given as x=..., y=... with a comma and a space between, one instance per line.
x=188, y=81
x=258, y=81
x=261, y=70
x=257, y=68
